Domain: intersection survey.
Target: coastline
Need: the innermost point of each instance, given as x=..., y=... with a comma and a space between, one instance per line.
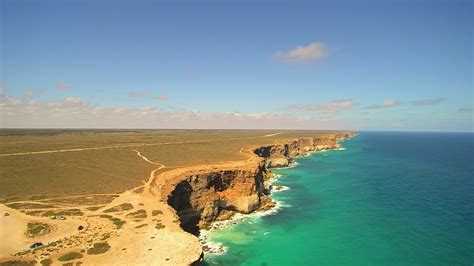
x=189, y=201
x=328, y=192
x=271, y=206
x=216, y=248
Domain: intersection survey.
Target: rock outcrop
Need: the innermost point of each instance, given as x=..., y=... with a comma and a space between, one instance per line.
x=206, y=195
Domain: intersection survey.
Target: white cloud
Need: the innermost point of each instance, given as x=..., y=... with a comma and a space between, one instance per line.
x=73, y=102
x=384, y=104
x=146, y=94
x=429, y=101
x=303, y=54
x=161, y=97
x=73, y=112
x=148, y=111
x=328, y=107
x=139, y=94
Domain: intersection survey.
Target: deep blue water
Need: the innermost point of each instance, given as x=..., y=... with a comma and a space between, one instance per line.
x=388, y=199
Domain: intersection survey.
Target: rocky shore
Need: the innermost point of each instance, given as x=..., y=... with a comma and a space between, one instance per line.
x=201, y=196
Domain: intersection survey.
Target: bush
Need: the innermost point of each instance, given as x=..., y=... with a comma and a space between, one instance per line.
x=98, y=248
x=156, y=212
x=70, y=256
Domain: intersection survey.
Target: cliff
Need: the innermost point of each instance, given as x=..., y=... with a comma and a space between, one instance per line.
x=203, y=197
x=281, y=155
x=218, y=192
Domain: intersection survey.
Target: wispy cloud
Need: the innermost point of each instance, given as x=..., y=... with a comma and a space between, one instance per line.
x=146, y=94
x=429, y=101
x=140, y=94
x=327, y=107
x=73, y=102
x=76, y=113
x=384, y=104
x=161, y=97
x=64, y=86
x=303, y=54
x=31, y=94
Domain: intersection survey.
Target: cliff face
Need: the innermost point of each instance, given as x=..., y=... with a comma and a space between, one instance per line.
x=281, y=155
x=202, y=197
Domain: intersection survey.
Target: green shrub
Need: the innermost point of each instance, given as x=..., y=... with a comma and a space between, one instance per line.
x=98, y=248
x=46, y=262
x=156, y=212
x=70, y=256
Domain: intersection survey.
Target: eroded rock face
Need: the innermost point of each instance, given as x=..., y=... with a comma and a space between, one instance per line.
x=276, y=162
x=280, y=155
x=202, y=197
x=199, y=199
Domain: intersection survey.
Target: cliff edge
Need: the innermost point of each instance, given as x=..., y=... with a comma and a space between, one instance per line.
x=201, y=195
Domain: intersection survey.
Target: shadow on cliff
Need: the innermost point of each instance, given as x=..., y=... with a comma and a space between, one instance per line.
x=180, y=200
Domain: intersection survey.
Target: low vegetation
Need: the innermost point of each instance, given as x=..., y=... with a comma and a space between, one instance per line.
x=36, y=229
x=159, y=225
x=68, y=212
x=46, y=262
x=105, y=236
x=140, y=214
x=20, y=205
x=83, y=200
x=18, y=263
x=116, y=167
x=94, y=208
x=98, y=248
x=33, y=213
x=70, y=256
x=119, y=208
x=156, y=212
x=116, y=221
x=141, y=226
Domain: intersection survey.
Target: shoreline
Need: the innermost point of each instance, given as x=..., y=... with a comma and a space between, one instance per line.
x=203, y=194
x=216, y=248
x=211, y=248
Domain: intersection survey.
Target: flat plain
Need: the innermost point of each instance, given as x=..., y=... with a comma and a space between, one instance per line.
x=44, y=163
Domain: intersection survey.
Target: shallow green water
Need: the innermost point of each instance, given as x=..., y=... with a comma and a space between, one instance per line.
x=388, y=199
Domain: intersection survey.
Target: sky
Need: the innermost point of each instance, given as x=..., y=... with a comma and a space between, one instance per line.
x=362, y=65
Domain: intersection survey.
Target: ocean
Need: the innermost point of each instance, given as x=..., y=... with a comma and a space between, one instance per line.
x=387, y=199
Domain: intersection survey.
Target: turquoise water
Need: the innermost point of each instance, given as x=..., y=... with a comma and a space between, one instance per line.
x=388, y=199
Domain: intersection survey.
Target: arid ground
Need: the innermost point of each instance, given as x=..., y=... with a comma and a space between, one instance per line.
x=85, y=195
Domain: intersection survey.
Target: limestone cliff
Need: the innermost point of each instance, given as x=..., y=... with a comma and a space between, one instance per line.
x=203, y=197
x=206, y=195
x=281, y=155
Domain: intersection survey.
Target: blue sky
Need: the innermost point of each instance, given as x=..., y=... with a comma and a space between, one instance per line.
x=368, y=65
